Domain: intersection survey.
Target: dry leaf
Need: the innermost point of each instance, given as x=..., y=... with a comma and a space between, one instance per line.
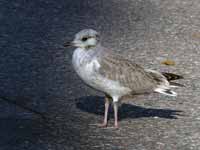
x=196, y=35
x=168, y=62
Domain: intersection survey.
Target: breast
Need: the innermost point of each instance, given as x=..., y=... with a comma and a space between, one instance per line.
x=85, y=65
x=88, y=73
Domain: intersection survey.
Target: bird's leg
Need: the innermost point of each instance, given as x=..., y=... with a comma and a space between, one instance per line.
x=116, y=114
x=105, y=120
x=107, y=103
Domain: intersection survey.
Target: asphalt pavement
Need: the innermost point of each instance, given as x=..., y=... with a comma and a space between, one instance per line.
x=45, y=106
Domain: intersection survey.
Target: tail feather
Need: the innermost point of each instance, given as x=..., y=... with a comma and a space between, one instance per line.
x=171, y=76
x=168, y=92
x=174, y=84
x=164, y=82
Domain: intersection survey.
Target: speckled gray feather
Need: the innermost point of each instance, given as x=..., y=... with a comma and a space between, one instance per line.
x=129, y=74
x=113, y=74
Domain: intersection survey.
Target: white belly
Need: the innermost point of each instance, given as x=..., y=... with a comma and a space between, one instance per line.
x=87, y=68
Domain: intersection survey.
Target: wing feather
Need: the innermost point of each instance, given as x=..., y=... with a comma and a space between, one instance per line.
x=127, y=73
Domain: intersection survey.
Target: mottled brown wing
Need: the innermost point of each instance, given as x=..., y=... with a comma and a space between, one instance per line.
x=129, y=74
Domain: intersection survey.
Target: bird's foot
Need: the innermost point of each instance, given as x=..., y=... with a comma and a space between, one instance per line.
x=104, y=125
x=113, y=127
x=116, y=126
x=101, y=125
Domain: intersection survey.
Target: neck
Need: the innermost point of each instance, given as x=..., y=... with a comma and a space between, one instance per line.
x=92, y=50
x=90, y=47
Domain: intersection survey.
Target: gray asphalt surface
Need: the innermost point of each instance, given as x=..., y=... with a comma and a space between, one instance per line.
x=36, y=72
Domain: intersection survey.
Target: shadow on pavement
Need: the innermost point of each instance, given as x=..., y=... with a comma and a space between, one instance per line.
x=95, y=105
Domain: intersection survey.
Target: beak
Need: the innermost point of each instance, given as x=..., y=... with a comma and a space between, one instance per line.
x=67, y=44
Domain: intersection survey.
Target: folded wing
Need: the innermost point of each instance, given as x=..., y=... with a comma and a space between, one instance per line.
x=127, y=73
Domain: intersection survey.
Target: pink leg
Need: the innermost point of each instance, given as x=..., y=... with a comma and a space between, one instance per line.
x=105, y=121
x=116, y=115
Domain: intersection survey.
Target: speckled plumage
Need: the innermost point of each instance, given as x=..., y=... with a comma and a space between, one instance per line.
x=111, y=73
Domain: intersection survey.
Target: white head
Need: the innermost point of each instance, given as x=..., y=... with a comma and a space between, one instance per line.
x=86, y=39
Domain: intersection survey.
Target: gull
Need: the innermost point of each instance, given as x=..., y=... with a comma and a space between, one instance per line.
x=114, y=74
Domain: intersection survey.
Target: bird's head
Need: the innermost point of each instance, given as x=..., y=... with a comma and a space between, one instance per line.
x=87, y=38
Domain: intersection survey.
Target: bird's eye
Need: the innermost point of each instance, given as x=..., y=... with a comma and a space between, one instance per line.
x=84, y=39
